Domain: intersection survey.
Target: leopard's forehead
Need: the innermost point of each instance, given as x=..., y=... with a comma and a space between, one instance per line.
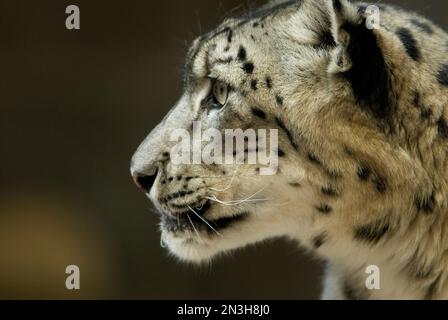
x=260, y=30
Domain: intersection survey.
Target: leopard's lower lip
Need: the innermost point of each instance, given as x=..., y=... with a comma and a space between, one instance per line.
x=184, y=218
x=190, y=209
x=225, y=222
x=195, y=221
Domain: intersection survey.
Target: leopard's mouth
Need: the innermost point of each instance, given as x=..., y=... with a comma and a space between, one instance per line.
x=194, y=219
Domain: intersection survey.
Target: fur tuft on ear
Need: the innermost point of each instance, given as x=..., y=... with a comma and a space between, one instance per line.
x=355, y=53
x=359, y=58
x=342, y=13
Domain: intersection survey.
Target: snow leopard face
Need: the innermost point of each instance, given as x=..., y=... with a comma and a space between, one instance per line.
x=352, y=171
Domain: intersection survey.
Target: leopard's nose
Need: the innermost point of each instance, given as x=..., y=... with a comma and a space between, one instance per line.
x=144, y=182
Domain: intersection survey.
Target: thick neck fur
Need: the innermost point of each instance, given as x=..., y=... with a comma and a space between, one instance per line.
x=406, y=235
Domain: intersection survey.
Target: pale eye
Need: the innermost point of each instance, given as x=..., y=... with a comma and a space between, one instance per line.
x=220, y=93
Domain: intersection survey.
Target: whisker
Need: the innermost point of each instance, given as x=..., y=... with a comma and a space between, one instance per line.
x=225, y=176
x=194, y=228
x=283, y=204
x=205, y=221
x=237, y=202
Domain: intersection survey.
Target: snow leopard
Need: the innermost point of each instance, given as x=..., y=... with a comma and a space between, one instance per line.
x=360, y=103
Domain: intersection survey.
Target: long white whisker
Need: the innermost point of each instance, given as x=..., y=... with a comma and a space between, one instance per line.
x=194, y=228
x=205, y=221
x=237, y=202
x=261, y=190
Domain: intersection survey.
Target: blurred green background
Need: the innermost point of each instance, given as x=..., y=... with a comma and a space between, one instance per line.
x=74, y=107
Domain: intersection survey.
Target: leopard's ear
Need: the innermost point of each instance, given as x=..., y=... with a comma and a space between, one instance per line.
x=342, y=16
x=347, y=31
x=358, y=57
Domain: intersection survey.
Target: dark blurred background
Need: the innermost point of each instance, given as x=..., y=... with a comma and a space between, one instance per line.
x=74, y=107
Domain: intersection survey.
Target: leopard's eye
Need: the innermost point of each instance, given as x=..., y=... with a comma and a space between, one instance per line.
x=220, y=93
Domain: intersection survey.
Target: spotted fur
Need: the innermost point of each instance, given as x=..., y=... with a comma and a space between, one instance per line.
x=362, y=119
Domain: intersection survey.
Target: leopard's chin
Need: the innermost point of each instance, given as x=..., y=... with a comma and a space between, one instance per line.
x=189, y=249
x=198, y=240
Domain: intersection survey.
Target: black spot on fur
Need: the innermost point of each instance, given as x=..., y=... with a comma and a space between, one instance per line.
x=269, y=82
x=279, y=100
x=332, y=174
x=229, y=35
x=287, y=132
x=248, y=67
x=258, y=113
x=348, y=151
x=242, y=55
x=368, y=76
x=177, y=195
x=354, y=290
x=281, y=153
x=349, y=292
x=426, y=114
x=326, y=40
x=255, y=24
x=416, y=99
x=442, y=75
x=254, y=84
x=423, y=26
x=337, y=5
x=314, y=159
x=432, y=288
x=416, y=269
x=364, y=173
x=443, y=128
x=425, y=204
x=324, y=208
x=319, y=240
x=380, y=184
x=328, y=191
x=423, y=274
x=362, y=9
x=224, y=61
x=409, y=43
x=295, y=184
x=372, y=233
